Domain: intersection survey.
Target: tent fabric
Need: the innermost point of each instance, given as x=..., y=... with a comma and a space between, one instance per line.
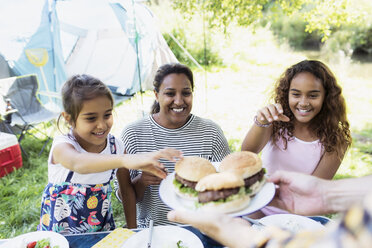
x=116, y=41
x=5, y=70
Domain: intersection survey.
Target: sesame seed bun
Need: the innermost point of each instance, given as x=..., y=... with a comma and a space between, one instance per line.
x=244, y=163
x=194, y=168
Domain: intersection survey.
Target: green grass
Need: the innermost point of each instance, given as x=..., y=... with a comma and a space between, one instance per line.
x=20, y=191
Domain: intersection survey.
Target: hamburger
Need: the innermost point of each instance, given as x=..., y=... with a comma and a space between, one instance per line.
x=189, y=170
x=249, y=166
x=222, y=192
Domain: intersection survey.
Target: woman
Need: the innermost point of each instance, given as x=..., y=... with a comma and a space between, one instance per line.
x=170, y=124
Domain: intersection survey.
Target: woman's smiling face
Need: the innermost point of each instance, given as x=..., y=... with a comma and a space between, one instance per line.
x=306, y=96
x=175, y=100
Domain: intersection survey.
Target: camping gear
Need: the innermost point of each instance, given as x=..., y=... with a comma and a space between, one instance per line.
x=22, y=92
x=10, y=154
x=39, y=57
x=115, y=41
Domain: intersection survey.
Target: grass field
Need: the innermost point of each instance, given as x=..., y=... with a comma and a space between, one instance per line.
x=230, y=97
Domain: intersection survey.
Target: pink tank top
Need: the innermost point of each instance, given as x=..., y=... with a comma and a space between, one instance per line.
x=300, y=156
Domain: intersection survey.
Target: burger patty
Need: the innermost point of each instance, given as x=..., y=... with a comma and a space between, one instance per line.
x=185, y=182
x=248, y=182
x=214, y=195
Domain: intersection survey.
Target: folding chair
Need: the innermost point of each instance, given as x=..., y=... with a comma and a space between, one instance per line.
x=22, y=92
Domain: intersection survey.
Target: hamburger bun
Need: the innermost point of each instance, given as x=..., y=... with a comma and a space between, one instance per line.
x=244, y=163
x=222, y=181
x=194, y=168
x=217, y=181
x=257, y=186
x=249, y=166
x=191, y=169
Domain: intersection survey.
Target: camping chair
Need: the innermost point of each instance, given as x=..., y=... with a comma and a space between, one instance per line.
x=29, y=111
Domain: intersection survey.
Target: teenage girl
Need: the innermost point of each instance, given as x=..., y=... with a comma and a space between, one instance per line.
x=306, y=129
x=82, y=163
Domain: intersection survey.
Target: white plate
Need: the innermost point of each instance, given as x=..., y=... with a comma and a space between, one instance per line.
x=22, y=240
x=170, y=198
x=291, y=222
x=164, y=237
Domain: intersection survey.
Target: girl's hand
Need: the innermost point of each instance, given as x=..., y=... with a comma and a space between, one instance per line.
x=150, y=161
x=270, y=113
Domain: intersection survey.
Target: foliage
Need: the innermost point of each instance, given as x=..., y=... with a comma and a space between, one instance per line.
x=321, y=16
x=204, y=55
x=292, y=29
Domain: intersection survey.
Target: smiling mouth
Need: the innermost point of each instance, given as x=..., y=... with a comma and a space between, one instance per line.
x=303, y=111
x=99, y=133
x=178, y=110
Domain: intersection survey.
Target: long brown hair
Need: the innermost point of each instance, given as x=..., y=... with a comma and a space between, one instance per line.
x=330, y=125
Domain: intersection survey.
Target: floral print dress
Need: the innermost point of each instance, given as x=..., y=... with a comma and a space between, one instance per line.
x=71, y=208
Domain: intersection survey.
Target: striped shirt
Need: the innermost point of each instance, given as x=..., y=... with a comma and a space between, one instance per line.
x=198, y=137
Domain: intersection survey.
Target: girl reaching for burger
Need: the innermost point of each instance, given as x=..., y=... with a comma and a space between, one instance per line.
x=83, y=162
x=305, y=129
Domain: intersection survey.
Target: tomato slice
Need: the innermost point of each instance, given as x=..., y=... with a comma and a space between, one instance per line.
x=32, y=244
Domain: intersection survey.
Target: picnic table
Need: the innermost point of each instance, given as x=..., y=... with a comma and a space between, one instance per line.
x=90, y=239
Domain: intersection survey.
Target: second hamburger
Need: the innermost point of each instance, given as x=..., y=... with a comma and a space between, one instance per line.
x=249, y=166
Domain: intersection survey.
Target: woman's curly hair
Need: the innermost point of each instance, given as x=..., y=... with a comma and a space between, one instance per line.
x=330, y=125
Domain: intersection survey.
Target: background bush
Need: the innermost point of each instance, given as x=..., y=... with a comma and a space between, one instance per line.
x=292, y=30
x=204, y=55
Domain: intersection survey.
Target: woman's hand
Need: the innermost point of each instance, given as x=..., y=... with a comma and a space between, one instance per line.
x=149, y=179
x=149, y=162
x=270, y=113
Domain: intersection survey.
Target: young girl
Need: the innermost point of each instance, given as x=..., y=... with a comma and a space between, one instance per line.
x=306, y=129
x=82, y=163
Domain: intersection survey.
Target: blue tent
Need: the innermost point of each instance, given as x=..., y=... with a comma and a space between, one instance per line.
x=116, y=41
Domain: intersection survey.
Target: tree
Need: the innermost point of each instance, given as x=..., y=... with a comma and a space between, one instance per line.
x=323, y=16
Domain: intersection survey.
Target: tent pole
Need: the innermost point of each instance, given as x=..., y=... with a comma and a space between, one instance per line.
x=205, y=62
x=52, y=10
x=138, y=59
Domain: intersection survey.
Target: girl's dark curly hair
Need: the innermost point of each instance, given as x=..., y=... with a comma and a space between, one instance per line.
x=330, y=125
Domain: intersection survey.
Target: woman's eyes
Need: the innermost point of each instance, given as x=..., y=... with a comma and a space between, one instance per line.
x=171, y=94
